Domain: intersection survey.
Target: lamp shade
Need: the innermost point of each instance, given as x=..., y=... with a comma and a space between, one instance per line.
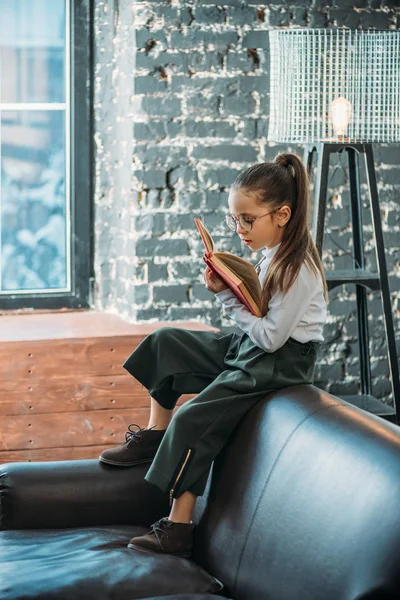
x=334, y=85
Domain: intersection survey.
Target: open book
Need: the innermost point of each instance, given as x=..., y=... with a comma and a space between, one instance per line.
x=237, y=273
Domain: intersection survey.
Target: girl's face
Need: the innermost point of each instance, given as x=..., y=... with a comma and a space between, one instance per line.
x=266, y=231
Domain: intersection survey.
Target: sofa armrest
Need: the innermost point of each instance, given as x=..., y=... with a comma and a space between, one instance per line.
x=77, y=493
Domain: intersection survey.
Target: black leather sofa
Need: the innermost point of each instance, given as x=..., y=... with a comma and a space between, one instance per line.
x=303, y=503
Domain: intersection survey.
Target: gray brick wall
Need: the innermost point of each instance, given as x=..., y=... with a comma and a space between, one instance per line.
x=181, y=106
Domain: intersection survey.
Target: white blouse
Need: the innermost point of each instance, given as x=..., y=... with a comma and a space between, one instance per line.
x=300, y=313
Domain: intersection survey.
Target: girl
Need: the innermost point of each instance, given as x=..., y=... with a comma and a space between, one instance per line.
x=269, y=206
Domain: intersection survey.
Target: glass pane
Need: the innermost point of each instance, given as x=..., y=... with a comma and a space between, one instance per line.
x=33, y=128
x=32, y=40
x=33, y=240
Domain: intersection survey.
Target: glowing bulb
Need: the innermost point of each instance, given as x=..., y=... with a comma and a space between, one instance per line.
x=340, y=114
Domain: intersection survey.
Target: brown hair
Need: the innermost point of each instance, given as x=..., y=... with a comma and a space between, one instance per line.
x=285, y=181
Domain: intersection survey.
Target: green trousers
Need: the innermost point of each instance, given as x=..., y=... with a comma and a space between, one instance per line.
x=229, y=374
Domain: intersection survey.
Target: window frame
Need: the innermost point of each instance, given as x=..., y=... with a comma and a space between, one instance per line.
x=81, y=161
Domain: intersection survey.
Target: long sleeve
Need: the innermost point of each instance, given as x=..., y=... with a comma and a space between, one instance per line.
x=285, y=312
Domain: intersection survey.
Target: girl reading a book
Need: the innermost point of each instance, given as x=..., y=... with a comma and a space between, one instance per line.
x=229, y=372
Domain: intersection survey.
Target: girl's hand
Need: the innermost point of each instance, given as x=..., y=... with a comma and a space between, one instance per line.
x=213, y=282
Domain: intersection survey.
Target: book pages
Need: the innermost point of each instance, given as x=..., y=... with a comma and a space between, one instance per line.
x=205, y=235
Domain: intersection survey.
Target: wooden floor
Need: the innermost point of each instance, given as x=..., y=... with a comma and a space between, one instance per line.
x=63, y=392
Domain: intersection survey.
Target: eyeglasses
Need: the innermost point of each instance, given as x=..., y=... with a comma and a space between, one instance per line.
x=245, y=223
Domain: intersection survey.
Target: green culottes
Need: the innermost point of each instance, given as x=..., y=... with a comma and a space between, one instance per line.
x=229, y=374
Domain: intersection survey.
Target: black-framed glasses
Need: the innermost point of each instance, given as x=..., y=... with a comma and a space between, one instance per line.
x=245, y=223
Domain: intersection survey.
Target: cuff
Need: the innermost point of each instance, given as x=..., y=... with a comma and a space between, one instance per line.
x=225, y=295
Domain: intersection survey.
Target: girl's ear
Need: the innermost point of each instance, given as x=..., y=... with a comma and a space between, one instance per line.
x=283, y=215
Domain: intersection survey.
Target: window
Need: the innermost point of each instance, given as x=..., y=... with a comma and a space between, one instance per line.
x=45, y=249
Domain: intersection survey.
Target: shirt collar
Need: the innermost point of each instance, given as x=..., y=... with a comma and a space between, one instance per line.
x=269, y=252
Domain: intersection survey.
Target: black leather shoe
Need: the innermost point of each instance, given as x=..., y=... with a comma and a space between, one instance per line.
x=166, y=537
x=140, y=446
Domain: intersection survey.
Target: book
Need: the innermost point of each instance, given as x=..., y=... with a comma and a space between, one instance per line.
x=237, y=273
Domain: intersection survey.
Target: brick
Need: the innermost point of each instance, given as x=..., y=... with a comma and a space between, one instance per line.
x=262, y=125
x=242, y=15
x=334, y=239
x=190, y=201
x=153, y=199
x=209, y=14
x=155, y=247
x=254, y=83
x=156, y=272
x=318, y=19
x=237, y=104
x=387, y=155
x=202, y=105
x=148, y=131
x=220, y=85
x=141, y=294
x=167, y=198
x=240, y=61
x=223, y=177
x=200, y=313
x=343, y=388
x=348, y=18
x=217, y=200
x=219, y=2
x=147, y=314
x=333, y=371
x=200, y=292
x=161, y=156
x=256, y=39
x=148, y=223
x=183, y=175
x=283, y=17
x=170, y=15
x=162, y=106
x=213, y=128
x=151, y=178
x=186, y=16
x=394, y=218
x=148, y=84
x=229, y=152
x=174, y=61
x=144, y=37
x=179, y=222
x=197, y=39
x=185, y=270
x=167, y=294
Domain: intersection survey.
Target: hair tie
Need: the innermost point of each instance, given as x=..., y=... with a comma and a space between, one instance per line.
x=284, y=161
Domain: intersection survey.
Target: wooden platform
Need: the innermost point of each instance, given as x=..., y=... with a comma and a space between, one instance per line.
x=63, y=392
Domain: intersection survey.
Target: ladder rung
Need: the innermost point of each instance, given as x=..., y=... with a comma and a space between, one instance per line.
x=370, y=404
x=358, y=276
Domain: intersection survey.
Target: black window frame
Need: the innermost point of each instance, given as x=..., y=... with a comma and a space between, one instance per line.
x=81, y=176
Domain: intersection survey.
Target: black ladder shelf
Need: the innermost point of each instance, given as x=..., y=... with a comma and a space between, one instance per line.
x=359, y=276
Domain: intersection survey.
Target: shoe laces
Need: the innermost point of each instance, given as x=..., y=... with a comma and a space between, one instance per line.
x=131, y=435
x=160, y=526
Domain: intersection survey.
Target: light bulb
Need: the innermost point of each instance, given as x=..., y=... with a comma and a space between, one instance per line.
x=340, y=115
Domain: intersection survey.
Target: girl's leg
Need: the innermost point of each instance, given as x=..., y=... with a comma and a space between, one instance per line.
x=159, y=417
x=182, y=508
x=202, y=426
x=169, y=362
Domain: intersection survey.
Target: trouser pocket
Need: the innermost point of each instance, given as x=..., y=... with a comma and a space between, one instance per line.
x=295, y=363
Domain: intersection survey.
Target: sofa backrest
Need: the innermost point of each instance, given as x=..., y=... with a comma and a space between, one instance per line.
x=303, y=502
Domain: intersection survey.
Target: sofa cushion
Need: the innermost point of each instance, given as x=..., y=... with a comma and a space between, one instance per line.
x=190, y=597
x=93, y=562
